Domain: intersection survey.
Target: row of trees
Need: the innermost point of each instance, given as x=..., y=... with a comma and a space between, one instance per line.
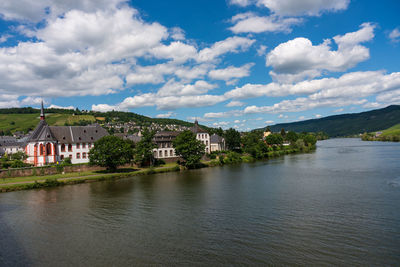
x=112, y=151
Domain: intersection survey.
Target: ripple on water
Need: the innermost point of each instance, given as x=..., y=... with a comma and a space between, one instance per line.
x=394, y=182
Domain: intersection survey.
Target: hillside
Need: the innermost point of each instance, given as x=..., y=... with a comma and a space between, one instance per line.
x=347, y=124
x=395, y=130
x=26, y=119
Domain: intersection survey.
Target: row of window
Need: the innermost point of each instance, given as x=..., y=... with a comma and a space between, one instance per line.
x=160, y=153
x=78, y=145
x=202, y=136
x=165, y=145
x=78, y=156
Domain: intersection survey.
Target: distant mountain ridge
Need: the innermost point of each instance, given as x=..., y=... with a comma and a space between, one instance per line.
x=346, y=124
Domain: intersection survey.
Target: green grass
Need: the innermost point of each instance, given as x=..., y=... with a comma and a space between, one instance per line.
x=55, y=176
x=35, y=182
x=18, y=122
x=394, y=130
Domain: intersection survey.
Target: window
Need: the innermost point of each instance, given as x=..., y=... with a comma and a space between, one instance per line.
x=41, y=149
x=48, y=149
x=78, y=155
x=166, y=153
x=78, y=145
x=90, y=145
x=70, y=149
x=84, y=155
x=62, y=157
x=206, y=142
x=171, y=153
x=160, y=153
x=70, y=156
x=83, y=145
x=63, y=148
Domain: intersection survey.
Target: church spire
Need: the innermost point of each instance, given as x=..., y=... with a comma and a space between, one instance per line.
x=42, y=112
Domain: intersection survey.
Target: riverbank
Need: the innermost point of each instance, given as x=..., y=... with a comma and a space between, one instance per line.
x=36, y=182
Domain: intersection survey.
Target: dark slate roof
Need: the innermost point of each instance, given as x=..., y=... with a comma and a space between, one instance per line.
x=10, y=141
x=165, y=136
x=197, y=129
x=132, y=137
x=6, y=139
x=42, y=133
x=215, y=139
x=78, y=134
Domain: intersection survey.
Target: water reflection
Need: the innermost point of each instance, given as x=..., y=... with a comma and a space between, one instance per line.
x=337, y=206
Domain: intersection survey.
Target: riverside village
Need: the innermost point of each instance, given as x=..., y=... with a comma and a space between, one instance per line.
x=94, y=147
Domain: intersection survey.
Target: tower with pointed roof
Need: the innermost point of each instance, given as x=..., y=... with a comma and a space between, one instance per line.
x=50, y=144
x=42, y=116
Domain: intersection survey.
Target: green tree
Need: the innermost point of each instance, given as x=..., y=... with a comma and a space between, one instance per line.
x=189, y=148
x=110, y=152
x=292, y=137
x=232, y=139
x=274, y=139
x=144, y=148
x=283, y=133
x=253, y=144
x=310, y=140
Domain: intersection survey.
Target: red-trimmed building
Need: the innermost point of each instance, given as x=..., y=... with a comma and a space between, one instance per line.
x=50, y=144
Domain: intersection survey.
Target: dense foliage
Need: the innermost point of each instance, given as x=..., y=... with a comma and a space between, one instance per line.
x=111, y=152
x=189, y=149
x=232, y=139
x=347, y=124
x=144, y=148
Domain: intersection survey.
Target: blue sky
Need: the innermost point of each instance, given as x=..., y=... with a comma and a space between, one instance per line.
x=234, y=63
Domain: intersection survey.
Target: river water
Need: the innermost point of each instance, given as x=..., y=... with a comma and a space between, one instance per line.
x=337, y=206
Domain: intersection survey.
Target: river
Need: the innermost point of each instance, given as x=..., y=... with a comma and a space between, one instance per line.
x=339, y=205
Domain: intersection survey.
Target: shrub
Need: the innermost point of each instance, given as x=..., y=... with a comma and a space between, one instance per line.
x=233, y=157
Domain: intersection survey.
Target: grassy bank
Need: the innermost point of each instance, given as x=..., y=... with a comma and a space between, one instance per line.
x=391, y=134
x=35, y=182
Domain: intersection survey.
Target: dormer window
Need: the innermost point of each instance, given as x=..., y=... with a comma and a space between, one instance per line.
x=84, y=131
x=63, y=137
x=80, y=138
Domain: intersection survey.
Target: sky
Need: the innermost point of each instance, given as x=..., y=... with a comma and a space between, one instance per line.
x=229, y=63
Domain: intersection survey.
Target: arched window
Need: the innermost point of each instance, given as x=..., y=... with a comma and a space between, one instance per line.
x=160, y=154
x=69, y=148
x=41, y=149
x=63, y=148
x=48, y=149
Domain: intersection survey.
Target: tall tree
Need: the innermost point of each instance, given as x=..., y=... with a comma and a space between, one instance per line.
x=110, y=152
x=189, y=148
x=232, y=139
x=144, y=148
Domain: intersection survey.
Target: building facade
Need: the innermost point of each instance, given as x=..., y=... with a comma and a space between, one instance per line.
x=51, y=144
x=217, y=143
x=165, y=148
x=202, y=135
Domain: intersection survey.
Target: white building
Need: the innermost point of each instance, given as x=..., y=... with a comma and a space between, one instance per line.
x=164, y=141
x=50, y=144
x=217, y=143
x=202, y=135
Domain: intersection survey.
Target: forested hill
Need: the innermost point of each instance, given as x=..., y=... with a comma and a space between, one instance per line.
x=347, y=124
x=25, y=119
